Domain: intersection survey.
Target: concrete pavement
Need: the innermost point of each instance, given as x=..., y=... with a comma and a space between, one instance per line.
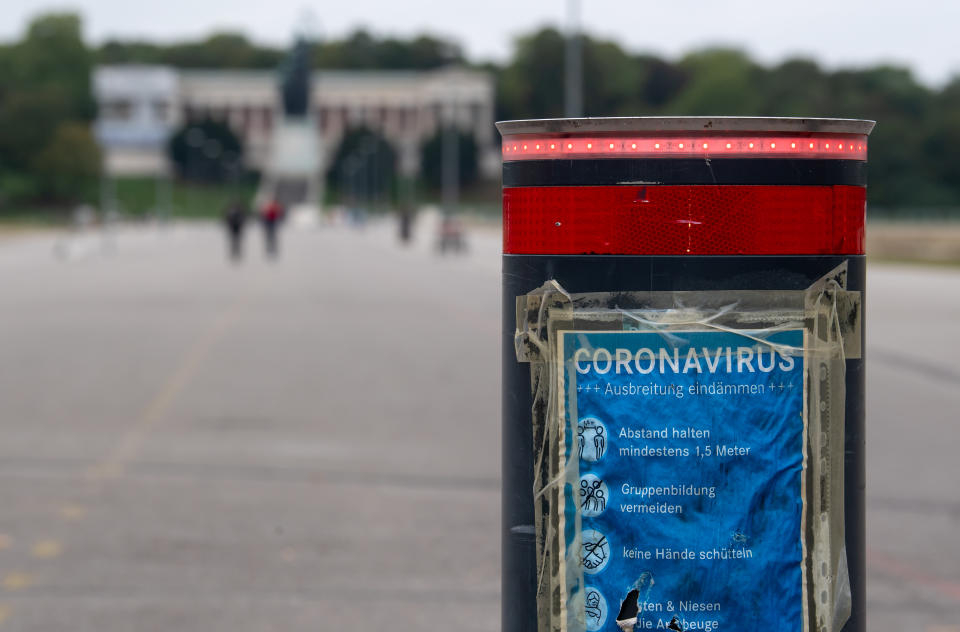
x=313, y=443
x=913, y=439
x=295, y=445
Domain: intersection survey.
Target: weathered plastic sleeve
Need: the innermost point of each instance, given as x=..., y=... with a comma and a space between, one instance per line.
x=827, y=314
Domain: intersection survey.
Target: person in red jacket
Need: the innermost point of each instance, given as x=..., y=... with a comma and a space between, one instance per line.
x=271, y=215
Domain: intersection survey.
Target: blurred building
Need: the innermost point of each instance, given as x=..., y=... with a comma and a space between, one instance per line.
x=140, y=107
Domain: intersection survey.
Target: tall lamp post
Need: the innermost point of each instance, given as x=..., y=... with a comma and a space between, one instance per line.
x=450, y=161
x=573, y=63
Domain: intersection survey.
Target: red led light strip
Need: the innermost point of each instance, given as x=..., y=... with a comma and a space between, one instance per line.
x=850, y=147
x=684, y=220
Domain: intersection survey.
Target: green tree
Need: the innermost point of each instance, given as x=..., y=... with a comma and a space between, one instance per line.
x=46, y=150
x=797, y=87
x=890, y=95
x=531, y=85
x=612, y=80
x=206, y=151
x=68, y=166
x=941, y=144
x=720, y=82
x=364, y=166
x=661, y=83
x=129, y=52
x=54, y=57
x=362, y=51
x=615, y=82
x=431, y=161
x=28, y=120
x=426, y=52
x=221, y=50
x=358, y=51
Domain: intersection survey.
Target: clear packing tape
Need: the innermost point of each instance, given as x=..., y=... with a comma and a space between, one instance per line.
x=830, y=316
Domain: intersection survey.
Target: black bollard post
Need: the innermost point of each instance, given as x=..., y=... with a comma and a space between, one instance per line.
x=683, y=405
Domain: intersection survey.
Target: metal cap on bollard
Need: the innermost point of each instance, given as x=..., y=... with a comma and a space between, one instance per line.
x=682, y=373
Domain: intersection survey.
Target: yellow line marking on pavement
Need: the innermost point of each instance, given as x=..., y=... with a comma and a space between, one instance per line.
x=113, y=465
x=16, y=581
x=4, y=613
x=47, y=549
x=72, y=512
x=5, y=541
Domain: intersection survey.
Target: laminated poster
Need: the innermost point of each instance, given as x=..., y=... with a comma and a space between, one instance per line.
x=687, y=496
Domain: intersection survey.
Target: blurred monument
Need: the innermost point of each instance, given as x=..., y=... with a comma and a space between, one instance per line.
x=295, y=75
x=293, y=169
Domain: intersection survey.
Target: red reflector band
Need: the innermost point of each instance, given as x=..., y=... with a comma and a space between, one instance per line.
x=684, y=220
x=831, y=146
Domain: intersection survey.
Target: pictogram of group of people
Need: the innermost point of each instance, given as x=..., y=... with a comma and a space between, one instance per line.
x=593, y=498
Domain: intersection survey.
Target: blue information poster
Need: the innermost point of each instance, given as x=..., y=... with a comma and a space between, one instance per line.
x=688, y=501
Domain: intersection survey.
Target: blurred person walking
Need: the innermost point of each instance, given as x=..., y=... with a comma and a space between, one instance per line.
x=405, y=216
x=235, y=220
x=271, y=215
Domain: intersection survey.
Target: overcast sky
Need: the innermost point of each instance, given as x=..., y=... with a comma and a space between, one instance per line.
x=922, y=34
